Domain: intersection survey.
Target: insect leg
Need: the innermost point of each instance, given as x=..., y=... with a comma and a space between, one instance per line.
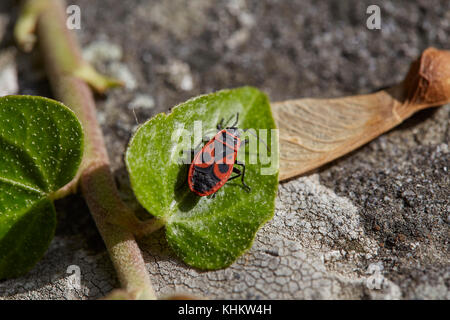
x=242, y=175
x=213, y=195
x=239, y=173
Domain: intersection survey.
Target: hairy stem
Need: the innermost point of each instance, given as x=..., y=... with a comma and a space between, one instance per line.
x=113, y=218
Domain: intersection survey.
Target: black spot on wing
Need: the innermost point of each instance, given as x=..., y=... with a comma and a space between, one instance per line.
x=223, y=167
x=204, y=179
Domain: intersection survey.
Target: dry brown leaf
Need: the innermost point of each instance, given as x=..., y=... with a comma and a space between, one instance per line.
x=316, y=131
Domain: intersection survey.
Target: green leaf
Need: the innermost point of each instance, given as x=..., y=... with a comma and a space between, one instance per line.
x=41, y=145
x=206, y=232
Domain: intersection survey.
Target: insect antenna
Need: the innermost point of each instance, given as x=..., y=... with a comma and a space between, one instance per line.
x=235, y=123
x=263, y=142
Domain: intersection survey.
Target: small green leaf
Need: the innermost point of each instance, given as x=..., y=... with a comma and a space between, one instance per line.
x=41, y=145
x=206, y=232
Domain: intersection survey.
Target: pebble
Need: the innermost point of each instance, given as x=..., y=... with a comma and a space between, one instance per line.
x=8, y=73
x=143, y=101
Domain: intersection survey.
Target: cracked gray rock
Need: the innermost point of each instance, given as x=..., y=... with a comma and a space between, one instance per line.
x=290, y=258
x=371, y=225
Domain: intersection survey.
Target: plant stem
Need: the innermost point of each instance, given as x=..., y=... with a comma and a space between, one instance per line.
x=26, y=23
x=113, y=218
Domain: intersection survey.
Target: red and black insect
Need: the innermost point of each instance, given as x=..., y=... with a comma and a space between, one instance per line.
x=214, y=163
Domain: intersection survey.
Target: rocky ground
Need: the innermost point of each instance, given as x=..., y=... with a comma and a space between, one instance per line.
x=374, y=224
